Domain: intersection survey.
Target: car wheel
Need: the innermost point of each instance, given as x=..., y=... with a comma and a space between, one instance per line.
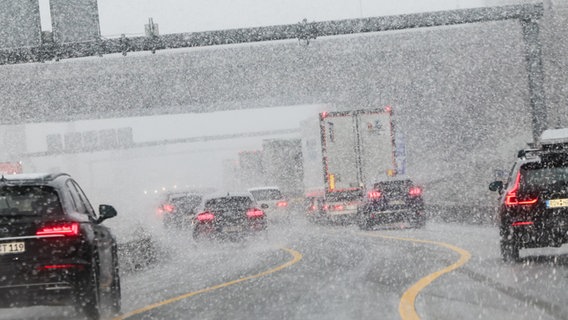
x=88, y=297
x=509, y=251
x=116, y=299
x=364, y=224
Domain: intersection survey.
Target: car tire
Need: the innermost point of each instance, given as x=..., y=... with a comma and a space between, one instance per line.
x=509, y=251
x=88, y=297
x=364, y=224
x=115, y=294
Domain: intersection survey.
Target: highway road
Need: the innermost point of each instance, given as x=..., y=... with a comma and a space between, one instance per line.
x=311, y=271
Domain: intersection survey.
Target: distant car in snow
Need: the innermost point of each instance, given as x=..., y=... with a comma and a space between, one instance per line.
x=392, y=201
x=229, y=217
x=177, y=209
x=276, y=206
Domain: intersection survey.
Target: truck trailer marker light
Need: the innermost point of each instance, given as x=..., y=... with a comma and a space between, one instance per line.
x=282, y=204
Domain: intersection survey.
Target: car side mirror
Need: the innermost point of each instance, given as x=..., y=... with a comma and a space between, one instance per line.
x=105, y=212
x=496, y=186
x=264, y=206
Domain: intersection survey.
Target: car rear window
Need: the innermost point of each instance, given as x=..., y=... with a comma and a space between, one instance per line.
x=228, y=203
x=266, y=194
x=347, y=195
x=29, y=201
x=540, y=177
x=392, y=185
x=188, y=202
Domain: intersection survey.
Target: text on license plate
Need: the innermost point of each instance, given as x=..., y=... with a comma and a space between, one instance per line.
x=12, y=247
x=557, y=203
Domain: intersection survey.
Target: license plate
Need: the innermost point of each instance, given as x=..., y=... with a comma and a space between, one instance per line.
x=557, y=203
x=395, y=202
x=12, y=247
x=233, y=229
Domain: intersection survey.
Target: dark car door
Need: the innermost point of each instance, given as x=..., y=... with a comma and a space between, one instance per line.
x=103, y=241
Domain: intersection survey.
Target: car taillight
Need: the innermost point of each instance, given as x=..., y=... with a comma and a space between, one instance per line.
x=65, y=229
x=205, y=217
x=282, y=204
x=511, y=196
x=338, y=207
x=415, y=191
x=169, y=208
x=255, y=213
x=60, y=266
x=375, y=194
x=313, y=207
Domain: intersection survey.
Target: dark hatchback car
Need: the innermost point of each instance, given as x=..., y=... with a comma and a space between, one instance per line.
x=229, y=217
x=178, y=209
x=53, y=248
x=392, y=202
x=533, y=206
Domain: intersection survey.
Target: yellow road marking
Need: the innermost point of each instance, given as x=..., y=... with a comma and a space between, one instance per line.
x=296, y=256
x=406, y=307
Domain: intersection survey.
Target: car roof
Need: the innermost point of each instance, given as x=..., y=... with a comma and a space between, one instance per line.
x=263, y=188
x=554, y=136
x=228, y=195
x=31, y=178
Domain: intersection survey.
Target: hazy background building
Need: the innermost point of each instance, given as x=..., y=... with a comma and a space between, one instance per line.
x=74, y=21
x=19, y=24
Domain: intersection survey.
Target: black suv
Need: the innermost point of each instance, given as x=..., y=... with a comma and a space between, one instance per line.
x=392, y=201
x=533, y=208
x=53, y=248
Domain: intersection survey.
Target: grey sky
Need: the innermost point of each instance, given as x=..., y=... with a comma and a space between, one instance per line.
x=173, y=16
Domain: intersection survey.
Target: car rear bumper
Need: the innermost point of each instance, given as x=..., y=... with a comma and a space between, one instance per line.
x=41, y=286
x=395, y=216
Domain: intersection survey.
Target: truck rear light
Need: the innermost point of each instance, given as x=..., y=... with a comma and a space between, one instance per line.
x=511, y=196
x=282, y=204
x=414, y=191
x=375, y=194
x=255, y=213
x=205, y=217
x=64, y=229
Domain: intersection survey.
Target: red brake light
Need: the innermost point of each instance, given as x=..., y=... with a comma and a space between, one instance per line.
x=65, y=229
x=313, y=207
x=255, y=213
x=282, y=204
x=205, y=217
x=415, y=191
x=60, y=266
x=522, y=223
x=375, y=194
x=338, y=207
x=168, y=208
x=511, y=197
